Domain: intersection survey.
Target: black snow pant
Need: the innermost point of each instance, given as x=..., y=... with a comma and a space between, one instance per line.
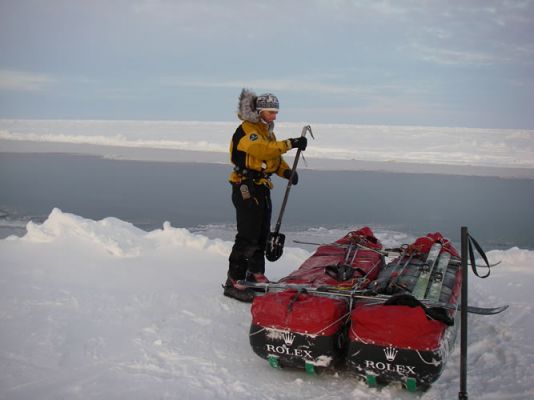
x=253, y=225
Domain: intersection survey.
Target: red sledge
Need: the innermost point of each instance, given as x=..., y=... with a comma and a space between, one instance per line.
x=296, y=327
x=345, y=307
x=408, y=337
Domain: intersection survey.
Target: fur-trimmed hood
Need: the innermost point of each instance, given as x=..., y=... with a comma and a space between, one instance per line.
x=246, y=108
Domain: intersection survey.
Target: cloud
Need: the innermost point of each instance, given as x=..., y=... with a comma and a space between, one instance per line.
x=453, y=57
x=24, y=81
x=310, y=84
x=274, y=84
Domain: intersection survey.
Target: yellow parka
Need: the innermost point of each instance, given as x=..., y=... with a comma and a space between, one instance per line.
x=254, y=147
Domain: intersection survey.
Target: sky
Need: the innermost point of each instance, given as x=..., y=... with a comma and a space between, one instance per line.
x=413, y=62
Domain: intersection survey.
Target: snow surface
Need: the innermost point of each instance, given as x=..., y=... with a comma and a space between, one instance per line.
x=103, y=310
x=495, y=148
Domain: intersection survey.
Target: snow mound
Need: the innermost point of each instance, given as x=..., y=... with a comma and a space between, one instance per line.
x=115, y=236
x=515, y=259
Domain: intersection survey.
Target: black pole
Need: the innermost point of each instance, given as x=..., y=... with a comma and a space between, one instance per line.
x=286, y=195
x=305, y=129
x=462, y=395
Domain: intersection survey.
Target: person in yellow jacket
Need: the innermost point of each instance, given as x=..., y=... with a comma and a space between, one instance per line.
x=256, y=155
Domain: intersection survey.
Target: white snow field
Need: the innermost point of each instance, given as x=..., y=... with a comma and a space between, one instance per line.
x=104, y=310
x=449, y=150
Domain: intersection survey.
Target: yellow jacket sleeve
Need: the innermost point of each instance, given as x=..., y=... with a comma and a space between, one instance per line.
x=262, y=149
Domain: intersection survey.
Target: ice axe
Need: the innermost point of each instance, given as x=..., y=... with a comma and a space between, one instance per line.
x=275, y=240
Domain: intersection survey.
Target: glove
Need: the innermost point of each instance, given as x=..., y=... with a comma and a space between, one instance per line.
x=299, y=143
x=287, y=175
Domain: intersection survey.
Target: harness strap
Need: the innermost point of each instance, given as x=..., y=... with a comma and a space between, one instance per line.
x=473, y=243
x=246, y=173
x=294, y=299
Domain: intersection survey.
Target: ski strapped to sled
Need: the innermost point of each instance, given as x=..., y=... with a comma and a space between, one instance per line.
x=364, y=295
x=421, y=285
x=403, y=261
x=438, y=276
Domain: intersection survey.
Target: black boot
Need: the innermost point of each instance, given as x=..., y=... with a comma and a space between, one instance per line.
x=232, y=289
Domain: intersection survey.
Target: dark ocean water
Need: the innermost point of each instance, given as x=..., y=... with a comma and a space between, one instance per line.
x=498, y=212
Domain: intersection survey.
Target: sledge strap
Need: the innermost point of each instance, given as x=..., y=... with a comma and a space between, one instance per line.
x=342, y=272
x=473, y=243
x=435, y=313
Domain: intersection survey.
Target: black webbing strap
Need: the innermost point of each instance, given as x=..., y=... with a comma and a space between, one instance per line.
x=473, y=243
x=246, y=173
x=406, y=299
x=343, y=272
x=294, y=299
